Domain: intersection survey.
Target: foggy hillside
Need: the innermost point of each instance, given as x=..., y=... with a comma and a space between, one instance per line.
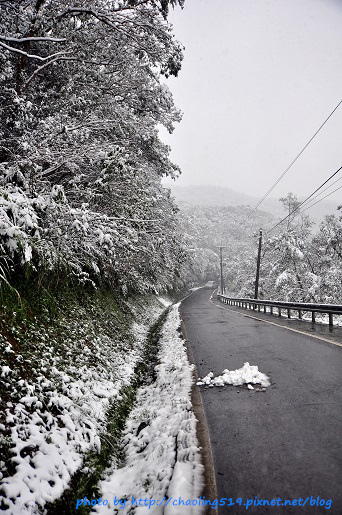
x=206, y=228
x=300, y=261
x=212, y=195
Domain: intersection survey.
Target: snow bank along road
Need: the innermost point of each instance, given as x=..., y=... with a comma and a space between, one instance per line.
x=283, y=442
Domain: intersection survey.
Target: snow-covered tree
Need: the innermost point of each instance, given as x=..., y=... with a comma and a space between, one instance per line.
x=326, y=260
x=80, y=158
x=298, y=265
x=205, y=229
x=285, y=274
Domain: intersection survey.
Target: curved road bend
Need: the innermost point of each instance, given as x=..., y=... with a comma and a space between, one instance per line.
x=285, y=442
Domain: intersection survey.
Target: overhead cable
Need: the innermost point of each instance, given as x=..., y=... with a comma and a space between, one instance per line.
x=320, y=193
x=309, y=197
x=317, y=189
x=293, y=162
x=311, y=205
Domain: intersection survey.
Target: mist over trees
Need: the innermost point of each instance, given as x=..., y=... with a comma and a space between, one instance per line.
x=206, y=228
x=80, y=158
x=299, y=261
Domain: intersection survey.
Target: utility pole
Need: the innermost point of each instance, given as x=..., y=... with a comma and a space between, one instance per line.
x=221, y=269
x=258, y=267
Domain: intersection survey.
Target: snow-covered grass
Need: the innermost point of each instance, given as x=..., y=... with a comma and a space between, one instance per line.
x=58, y=379
x=321, y=318
x=162, y=458
x=248, y=374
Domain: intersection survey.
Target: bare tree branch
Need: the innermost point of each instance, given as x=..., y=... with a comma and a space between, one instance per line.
x=32, y=56
x=24, y=40
x=35, y=73
x=84, y=10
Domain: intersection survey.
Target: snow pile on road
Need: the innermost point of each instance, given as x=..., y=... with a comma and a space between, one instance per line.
x=162, y=457
x=248, y=374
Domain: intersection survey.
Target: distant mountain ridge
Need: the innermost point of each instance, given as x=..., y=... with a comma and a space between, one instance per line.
x=211, y=195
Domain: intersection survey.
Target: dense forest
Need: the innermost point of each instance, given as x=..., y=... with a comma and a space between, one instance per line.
x=300, y=261
x=89, y=238
x=80, y=158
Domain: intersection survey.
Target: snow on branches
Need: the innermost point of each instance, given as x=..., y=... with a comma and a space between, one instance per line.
x=80, y=157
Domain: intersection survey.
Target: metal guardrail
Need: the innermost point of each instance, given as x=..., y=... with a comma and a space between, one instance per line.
x=330, y=309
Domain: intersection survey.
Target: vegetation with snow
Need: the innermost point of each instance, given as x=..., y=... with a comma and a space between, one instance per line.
x=60, y=378
x=299, y=262
x=88, y=239
x=80, y=157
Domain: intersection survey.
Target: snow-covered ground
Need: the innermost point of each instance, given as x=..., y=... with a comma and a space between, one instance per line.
x=321, y=318
x=59, y=392
x=61, y=413
x=162, y=457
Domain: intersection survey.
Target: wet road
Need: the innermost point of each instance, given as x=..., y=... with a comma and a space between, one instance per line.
x=283, y=443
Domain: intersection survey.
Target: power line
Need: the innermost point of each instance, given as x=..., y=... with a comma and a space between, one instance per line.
x=293, y=162
x=311, y=205
x=309, y=197
x=317, y=189
x=325, y=189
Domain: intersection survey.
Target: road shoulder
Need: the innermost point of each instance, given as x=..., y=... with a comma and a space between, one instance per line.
x=210, y=488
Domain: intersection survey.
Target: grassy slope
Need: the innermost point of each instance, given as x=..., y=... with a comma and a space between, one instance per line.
x=70, y=365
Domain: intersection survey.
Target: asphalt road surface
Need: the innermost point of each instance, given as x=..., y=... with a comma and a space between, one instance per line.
x=284, y=443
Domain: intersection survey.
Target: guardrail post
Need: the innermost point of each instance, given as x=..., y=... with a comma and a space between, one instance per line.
x=300, y=307
x=331, y=320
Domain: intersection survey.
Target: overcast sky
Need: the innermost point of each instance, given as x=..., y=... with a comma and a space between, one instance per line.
x=258, y=79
